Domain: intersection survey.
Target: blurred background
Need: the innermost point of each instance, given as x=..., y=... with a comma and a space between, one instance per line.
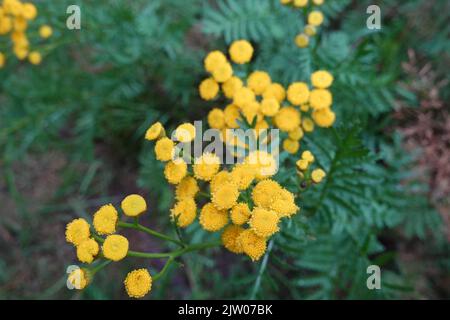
x=72, y=127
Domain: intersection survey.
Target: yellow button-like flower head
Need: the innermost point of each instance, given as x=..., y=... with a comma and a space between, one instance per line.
x=134, y=205
x=77, y=231
x=138, y=283
x=115, y=247
x=105, y=219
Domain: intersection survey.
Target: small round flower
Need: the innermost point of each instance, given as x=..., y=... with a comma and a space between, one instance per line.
x=258, y=81
x=223, y=72
x=231, y=114
x=264, y=164
x=322, y=79
x=241, y=51
x=29, y=11
x=318, y=2
x=5, y=25
x=304, y=107
x=320, y=98
x=296, y=134
x=206, y=166
x=300, y=3
x=287, y=119
x=302, y=40
x=156, y=131
x=175, y=171
x=270, y=107
x=275, y=90
x=302, y=164
x=87, y=250
x=298, y=93
x=138, y=283
x=253, y=245
x=105, y=219
x=308, y=125
x=317, y=175
x=264, y=222
x=243, y=175
x=225, y=196
x=212, y=219
x=21, y=52
x=115, y=247
x=310, y=31
x=185, y=132
x=78, y=278
x=308, y=156
x=77, y=231
x=230, y=86
x=265, y=192
x=184, y=212
x=284, y=204
x=216, y=119
x=291, y=146
x=187, y=188
x=243, y=96
x=164, y=149
x=213, y=60
x=220, y=179
x=134, y=205
x=229, y=238
x=250, y=111
x=240, y=214
x=208, y=89
x=324, y=117
x=35, y=57
x=315, y=18
x=45, y=31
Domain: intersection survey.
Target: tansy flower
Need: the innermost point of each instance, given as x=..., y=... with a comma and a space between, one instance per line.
x=263, y=163
x=133, y=205
x=300, y=3
x=318, y=2
x=29, y=11
x=321, y=79
x=212, y=219
x=296, y=134
x=45, y=31
x=185, y=132
x=175, y=171
x=156, y=131
x=138, y=283
x=225, y=196
x=229, y=238
x=275, y=90
x=298, y=93
x=308, y=156
x=287, y=119
x=308, y=125
x=253, y=245
x=222, y=72
x=105, y=219
x=270, y=107
x=184, y=212
x=21, y=52
x=304, y=107
x=240, y=213
x=230, y=86
x=87, y=250
x=315, y=18
x=5, y=25
x=213, y=60
x=258, y=81
x=302, y=40
x=310, y=30
x=264, y=222
x=291, y=146
x=216, y=119
x=187, y=188
x=241, y=51
x=320, y=98
x=324, y=117
x=164, y=149
x=250, y=111
x=284, y=204
x=219, y=179
x=77, y=231
x=243, y=175
x=317, y=175
x=231, y=114
x=265, y=192
x=206, y=166
x=208, y=89
x=302, y=164
x=115, y=247
x=242, y=96
x=20, y=24
x=35, y=57
x=78, y=278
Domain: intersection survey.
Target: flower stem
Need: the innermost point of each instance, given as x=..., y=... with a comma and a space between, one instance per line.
x=149, y=231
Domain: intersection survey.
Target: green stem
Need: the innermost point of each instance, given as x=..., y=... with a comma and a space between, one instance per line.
x=163, y=270
x=156, y=234
x=148, y=255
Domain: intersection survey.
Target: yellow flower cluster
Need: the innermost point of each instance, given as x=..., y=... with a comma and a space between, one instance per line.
x=14, y=19
x=304, y=166
x=114, y=247
x=314, y=19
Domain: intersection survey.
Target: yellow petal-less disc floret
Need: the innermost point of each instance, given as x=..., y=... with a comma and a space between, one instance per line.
x=315, y=18
x=243, y=96
x=298, y=93
x=221, y=178
x=77, y=231
x=78, y=278
x=308, y=156
x=216, y=119
x=287, y=119
x=320, y=98
x=175, y=171
x=115, y=247
x=258, y=81
x=105, y=219
x=318, y=2
x=229, y=238
x=213, y=60
x=302, y=164
x=184, y=212
x=308, y=125
x=212, y=219
x=243, y=175
x=284, y=204
x=296, y=134
x=208, y=89
x=240, y=214
x=302, y=40
x=156, y=131
x=87, y=250
x=164, y=149
x=45, y=31
x=241, y=51
x=134, y=205
x=324, y=117
x=310, y=30
x=265, y=192
x=317, y=175
x=275, y=90
x=263, y=163
x=223, y=72
x=187, y=188
x=270, y=107
x=264, y=222
x=35, y=57
x=291, y=146
x=253, y=245
x=230, y=86
x=29, y=11
x=185, y=132
x=225, y=196
x=300, y=3
x=206, y=166
x=321, y=79
x=231, y=114
x=138, y=283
